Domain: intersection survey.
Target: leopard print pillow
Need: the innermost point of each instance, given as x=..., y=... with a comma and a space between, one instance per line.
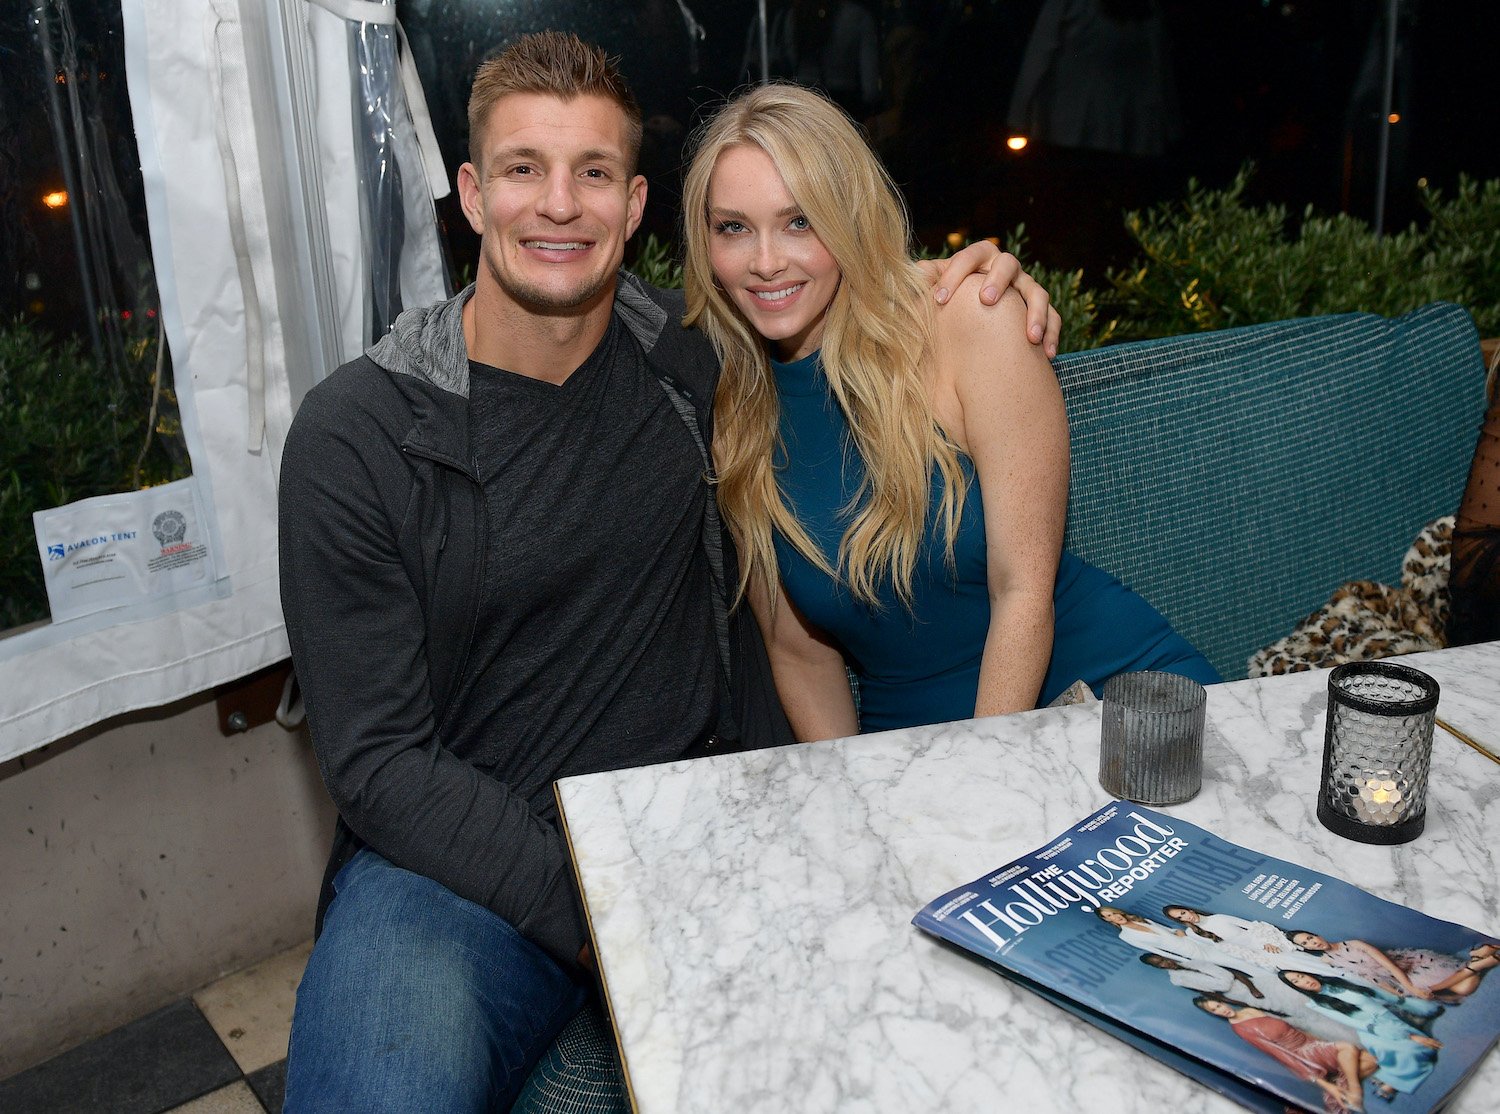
x=1364, y=620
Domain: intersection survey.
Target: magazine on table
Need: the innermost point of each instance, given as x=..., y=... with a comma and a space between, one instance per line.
x=1272, y=983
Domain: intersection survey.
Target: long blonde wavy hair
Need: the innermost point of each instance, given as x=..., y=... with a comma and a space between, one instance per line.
x=876, y=341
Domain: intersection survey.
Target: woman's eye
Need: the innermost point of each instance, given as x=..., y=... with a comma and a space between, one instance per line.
x=729, y=227
x=800, y=223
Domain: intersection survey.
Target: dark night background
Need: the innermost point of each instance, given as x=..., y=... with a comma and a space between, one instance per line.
x=1272, y=83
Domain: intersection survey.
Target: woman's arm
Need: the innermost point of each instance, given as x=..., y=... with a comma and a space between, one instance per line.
x=1403, y=983
x=1351, y=1094
x=997, y=396
x=808, y=668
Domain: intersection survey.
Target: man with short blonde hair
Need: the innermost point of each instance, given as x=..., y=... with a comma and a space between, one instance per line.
x=501, y=565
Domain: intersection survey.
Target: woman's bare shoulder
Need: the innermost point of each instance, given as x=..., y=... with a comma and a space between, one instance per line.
x=972, y=339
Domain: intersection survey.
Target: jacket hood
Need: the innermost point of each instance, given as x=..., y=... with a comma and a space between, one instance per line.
x=428, y=343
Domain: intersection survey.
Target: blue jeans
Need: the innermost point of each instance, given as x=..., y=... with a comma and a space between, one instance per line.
x=415, y=999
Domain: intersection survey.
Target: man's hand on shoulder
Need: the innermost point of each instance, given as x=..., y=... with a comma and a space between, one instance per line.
x=1000, y=269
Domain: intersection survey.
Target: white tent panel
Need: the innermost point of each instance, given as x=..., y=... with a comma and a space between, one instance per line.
x=64, y=676
x=328, y=38
x=244, y=116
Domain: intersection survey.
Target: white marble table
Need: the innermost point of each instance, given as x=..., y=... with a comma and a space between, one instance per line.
x=751, y=912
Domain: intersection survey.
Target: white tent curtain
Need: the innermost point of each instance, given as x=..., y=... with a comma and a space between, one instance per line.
x=245, y=122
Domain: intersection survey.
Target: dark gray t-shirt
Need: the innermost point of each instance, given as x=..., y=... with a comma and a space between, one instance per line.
x=595, y=646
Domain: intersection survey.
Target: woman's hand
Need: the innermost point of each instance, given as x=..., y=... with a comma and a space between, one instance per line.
x=1348, y=1097
x=1001, y=269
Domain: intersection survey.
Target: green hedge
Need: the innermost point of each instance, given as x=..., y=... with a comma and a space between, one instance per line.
x=1211, y=261
x=72, y=430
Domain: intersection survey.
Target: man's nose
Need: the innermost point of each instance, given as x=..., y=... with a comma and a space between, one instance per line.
x=559, y=201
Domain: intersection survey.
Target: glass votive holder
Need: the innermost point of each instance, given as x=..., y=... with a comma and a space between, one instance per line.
x=1151, y=747
x=1377, y=750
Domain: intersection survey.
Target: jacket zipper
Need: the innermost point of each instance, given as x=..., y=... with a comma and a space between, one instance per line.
x=476, y=568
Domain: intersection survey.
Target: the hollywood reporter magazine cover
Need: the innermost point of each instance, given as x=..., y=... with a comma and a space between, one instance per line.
x=1235, y=966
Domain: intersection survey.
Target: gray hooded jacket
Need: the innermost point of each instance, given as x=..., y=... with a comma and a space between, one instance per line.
x=382, y=525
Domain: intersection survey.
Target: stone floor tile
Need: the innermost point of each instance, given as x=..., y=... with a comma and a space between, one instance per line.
x=251, y=1010
x=269, y=1085
x=237, y=1098
x=153, y=1064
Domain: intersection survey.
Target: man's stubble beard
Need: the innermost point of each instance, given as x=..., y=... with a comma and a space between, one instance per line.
x=543, y=300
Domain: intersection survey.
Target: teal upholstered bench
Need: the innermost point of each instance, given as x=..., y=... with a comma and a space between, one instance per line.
x=1236, y=478
x=580, y=1074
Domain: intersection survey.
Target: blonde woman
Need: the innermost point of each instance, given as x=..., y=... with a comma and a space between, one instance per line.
x=1157, y=939
x=894, y=473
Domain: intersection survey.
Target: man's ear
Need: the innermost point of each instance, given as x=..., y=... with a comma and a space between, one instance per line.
x=637, y=204
x=470, y=199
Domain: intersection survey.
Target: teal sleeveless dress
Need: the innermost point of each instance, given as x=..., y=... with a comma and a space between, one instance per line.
x=920, y=664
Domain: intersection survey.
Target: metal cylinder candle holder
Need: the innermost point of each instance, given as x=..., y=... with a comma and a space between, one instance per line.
x=1377, y=750
x=1151, y=750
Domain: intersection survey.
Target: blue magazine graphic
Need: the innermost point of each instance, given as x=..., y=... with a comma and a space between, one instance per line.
x=1272, y=983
